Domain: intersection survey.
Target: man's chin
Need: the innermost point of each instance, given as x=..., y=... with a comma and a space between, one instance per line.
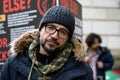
x=50, y=49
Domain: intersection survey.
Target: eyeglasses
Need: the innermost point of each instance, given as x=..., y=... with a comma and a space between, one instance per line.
x=51, y=29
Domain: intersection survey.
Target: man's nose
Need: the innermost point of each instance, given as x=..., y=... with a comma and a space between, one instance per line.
x=55, y=35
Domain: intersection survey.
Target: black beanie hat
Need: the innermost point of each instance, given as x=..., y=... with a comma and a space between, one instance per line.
x=60, y=15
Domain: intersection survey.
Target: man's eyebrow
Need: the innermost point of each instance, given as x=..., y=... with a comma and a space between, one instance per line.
x=59, y=28
x=51, y=24
x=64, y=30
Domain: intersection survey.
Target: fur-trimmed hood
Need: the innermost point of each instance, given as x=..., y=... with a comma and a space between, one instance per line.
x=21, y=43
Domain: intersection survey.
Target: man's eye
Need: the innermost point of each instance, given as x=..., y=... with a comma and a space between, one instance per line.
x=63, y=32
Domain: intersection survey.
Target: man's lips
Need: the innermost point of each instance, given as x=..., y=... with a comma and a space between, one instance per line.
x=52, y=42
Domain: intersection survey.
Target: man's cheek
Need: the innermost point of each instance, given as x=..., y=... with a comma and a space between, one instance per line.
x=42, y=40
x=62, y=44
x=43, y=37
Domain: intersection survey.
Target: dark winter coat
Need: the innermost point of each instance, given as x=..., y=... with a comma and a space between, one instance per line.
x=107, y=59
x=18, y=65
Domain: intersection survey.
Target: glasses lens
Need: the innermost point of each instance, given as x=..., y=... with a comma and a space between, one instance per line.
x=50, y=29
x=63, y=34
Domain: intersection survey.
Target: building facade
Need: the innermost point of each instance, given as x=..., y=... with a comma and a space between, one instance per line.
x=103, y=17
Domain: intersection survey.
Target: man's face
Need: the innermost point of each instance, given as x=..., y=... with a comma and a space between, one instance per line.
x=96, y=44
x=53, y=37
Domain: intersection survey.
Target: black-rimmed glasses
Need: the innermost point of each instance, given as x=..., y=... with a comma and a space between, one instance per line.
x=51, y=29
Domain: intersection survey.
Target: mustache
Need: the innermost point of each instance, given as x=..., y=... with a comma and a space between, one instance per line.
x=52, y=40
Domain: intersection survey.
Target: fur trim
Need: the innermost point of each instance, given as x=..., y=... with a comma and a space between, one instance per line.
x=21, y=43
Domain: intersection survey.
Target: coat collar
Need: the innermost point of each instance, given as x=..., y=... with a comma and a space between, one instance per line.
x=67, y=71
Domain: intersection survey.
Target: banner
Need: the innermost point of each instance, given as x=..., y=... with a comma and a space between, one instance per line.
x=19, y=16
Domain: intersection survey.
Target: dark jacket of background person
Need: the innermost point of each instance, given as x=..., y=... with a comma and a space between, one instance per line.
x=106, y=57
x=18, y=65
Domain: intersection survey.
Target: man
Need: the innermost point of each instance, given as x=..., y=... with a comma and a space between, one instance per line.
x=50, y=53
x=99, y=58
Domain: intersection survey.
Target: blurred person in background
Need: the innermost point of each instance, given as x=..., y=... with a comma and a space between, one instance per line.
x=98, y=57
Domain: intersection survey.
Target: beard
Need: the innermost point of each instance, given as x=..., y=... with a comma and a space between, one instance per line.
x=51, y=48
